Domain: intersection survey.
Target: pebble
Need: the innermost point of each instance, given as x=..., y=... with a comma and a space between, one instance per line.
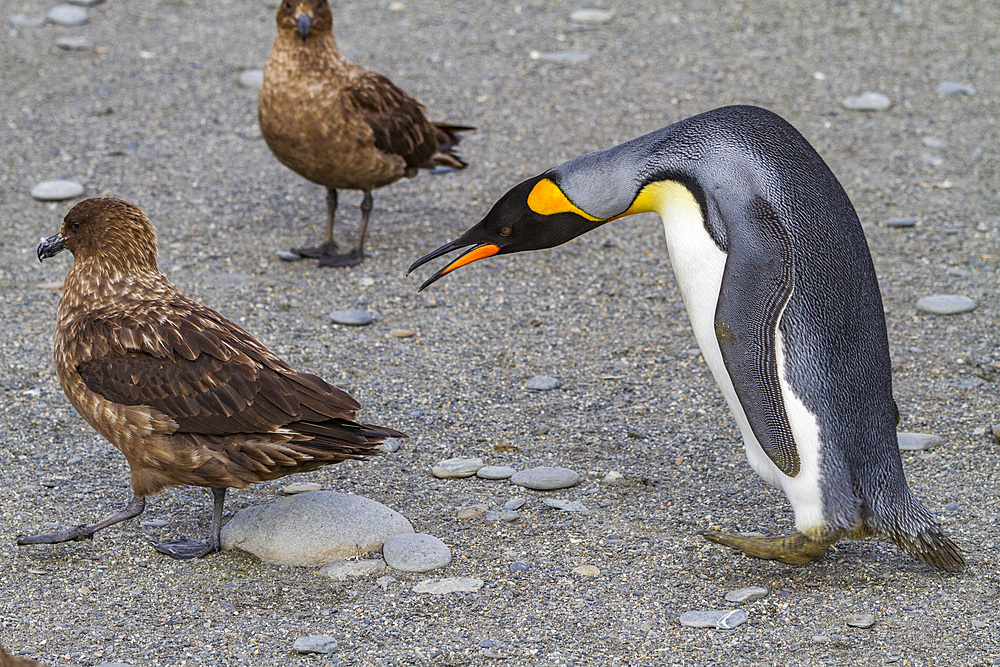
x=918, y=442
x=495, y=472
x=342, y=570
x=252, y=78
x=449, y=585
x=85, y=3
x=900, y=223
x=820, y=639
x=56, y=190
x=66, y=15
x=25, y=21
x=946, y=304
x=867, y=102
x=515, y=503
x=565, y=505
x=400, y=333
x=315, y=644
x=509, y=515
x=591, y=17
x=351, y=318
x=390, y=445
x=570, y=57
x=545, y=478
x=153, y=523
x=863, y=621
x=712, y=618
x=747, y=594
x=934, y=142
x=613, y=477
x=313, y=528
x=386, y=581
x=114, y=664
x=586, y=570
x=457, y=468
x=75, y=43
x=954, y=88
x=300, y=487
x=542, y=383
x=415, y=552
x=470, y=512
x=288, y=256
x=519, y=566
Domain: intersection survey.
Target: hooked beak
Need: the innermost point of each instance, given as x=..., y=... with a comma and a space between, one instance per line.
x=51, y=247
x=304, y=22
x=478, y=252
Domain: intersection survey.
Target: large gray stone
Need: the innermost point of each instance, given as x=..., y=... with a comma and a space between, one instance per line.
x=917, y=442
x=747, y=594
x=546, y=478
x=315, y=644
x=457, y=468
x=313, y=528
x=56, y=190
x=721, y=619
x=946, y=304
x=415, y=552
x=66, y=15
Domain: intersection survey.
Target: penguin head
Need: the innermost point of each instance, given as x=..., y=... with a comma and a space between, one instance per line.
x=534, y=214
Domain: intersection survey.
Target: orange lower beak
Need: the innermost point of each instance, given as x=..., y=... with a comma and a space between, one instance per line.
x=479, y=252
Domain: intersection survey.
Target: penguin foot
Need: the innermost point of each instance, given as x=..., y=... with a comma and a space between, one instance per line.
x=794, y=549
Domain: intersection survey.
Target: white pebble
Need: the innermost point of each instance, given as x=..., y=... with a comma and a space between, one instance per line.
x=56, y=190
x=867, y=102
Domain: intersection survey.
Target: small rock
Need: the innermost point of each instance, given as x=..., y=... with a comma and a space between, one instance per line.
x=153, y=523
x=721, y=619
x=867, y=102
x=954, y=88
x=449, y=585
x=315, y=644
x=351, y=318
x=946, y=304
x=565, y=505
x=514, y=503
x=934, y=142
x=288, y=256
x=916, y=442
x=591, y=17
x=56, y=190
x=613, y=477
x=495, y=472
x=415, y=552
x=342, y=570
x=519, y=566
x=25, y=21
x=252, y=78
x=978, y=624
x=85, y=3
x=75, y=43
x=509, y=515
x=386, y=581
x=390, y=445
x=820, y=639
x=300, y=487
x=863, y=621
x=568, y=57
x=542, y=383
x=952, y=507
x=586, y=570
x=400, y=333
x=932, y=159
x=114, y=664
x=546, y=478
x=746, y=594
x=457, y=468
x=901, y=223
x=470, y=512
x=66, y=15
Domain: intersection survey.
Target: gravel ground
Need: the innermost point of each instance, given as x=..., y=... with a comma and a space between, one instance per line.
x=155, y=115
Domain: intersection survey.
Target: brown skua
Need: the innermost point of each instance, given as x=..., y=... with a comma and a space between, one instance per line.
x=188, y=397
x=8, y=660
x=340, y=125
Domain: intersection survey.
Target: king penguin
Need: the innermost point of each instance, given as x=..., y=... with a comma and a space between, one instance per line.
x=779, y=285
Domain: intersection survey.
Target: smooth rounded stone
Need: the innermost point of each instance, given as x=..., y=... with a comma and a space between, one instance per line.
x=515, y=503
x=714, y=618
x=747, y=594
x=351, y=318
x=565, y=505
x=519, y=566
x=449, y=585
x=75, y=43
x=400, y=333
x=586, y=570
x=820, y=639
x=542, y=383
x=934, y=142
x=946, y=304
x=509, y=515
x=56, y=190
x=390, y=445
x=386, y=581
x=342, y=570
x=300, y=487
x=85, y=3
x=863, y=621
x=313, y=528
x=457, y=468
x=415, y=552
x=67, y=15
x=252, y=78
x=315, y=644
x=495, y=472
x=546, y=478
x=25, y=21
x=901, y=223
x=867, y=102
x=288, y=256
x=932, y=159
x=613, y=477
x=954, y=88
x=917, y=442
x=153, y=523
x=470, y=512
x=591, y=17
x=568, y=57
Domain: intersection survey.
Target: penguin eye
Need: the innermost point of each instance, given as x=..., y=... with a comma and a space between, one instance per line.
x=505, y=231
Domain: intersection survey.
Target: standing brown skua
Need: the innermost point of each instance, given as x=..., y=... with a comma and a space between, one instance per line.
x=340, y=125
x=8, y=660
x=185, y=394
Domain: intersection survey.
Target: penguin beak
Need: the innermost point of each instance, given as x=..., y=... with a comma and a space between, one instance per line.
x=478, y=252
x=304, y=23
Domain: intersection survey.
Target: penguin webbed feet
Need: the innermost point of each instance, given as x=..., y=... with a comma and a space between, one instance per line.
x=793, y=549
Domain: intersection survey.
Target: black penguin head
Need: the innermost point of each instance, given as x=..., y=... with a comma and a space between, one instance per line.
x=534, y=214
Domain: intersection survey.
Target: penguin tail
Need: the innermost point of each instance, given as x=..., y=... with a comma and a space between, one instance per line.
x=915, y=530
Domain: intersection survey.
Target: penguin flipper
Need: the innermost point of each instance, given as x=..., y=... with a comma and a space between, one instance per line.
x=756, y=283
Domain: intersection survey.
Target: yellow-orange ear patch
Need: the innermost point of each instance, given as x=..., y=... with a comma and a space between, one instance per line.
x=547, y=199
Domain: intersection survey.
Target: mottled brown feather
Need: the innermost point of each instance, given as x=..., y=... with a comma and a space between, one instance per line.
x=8, y=660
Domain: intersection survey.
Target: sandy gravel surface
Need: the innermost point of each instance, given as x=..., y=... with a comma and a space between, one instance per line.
x=156, y=116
